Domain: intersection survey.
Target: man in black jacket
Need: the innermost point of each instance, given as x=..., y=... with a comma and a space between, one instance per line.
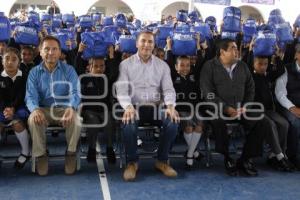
x=227, y=84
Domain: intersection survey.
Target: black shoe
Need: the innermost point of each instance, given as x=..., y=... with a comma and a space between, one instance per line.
x=247, y=166
x=91, y=156
x=110, y=155
x=284, y=165
x=20, y=165
x=230, y=167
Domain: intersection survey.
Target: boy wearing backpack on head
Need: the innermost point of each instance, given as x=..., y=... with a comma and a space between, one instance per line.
x=264, y=94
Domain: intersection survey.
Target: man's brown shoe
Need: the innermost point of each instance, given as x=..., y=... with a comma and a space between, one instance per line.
x=165, y=168
x=130, y=171
x=70, y=163
x=42, y=165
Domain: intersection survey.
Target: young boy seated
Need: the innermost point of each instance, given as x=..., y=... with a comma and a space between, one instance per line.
x=264, y=95
x=93, y=86
x=12, y=107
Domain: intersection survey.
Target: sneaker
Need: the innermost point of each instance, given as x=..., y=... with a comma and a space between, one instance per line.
x=130, y=171
x=110, y=155
x=70, y=163
x=91, y=155
x=165, y=168
x=42, y=165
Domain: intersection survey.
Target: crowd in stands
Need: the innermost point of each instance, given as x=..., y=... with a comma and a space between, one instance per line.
x=183, y=74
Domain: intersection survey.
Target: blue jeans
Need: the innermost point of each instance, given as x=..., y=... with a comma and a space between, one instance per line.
x=293, y=134
x=167, y=137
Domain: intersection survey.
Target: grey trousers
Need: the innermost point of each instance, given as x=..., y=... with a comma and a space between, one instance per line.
x=278, y=137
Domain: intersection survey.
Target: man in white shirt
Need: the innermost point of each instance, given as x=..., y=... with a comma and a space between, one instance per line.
x=145, y=80
x=287, y=92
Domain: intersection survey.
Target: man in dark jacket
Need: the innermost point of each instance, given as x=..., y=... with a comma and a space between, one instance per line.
x=287, y=92
x=227, y=84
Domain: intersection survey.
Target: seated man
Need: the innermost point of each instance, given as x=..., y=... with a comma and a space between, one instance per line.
x=52, y=97
x=287, y=92
x=227, y=84
x=144, y=79
x=12, y=106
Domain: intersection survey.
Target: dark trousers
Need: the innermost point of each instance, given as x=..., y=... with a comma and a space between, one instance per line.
x=293, y=134
x=167, y=135
x=278, y=138
x=256, y=133
x=94, y=119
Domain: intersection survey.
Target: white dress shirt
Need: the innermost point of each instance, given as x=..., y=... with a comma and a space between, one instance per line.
x=281, y=91
x=142, y=83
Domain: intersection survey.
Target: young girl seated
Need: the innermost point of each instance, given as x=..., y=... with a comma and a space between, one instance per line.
x=12, y=107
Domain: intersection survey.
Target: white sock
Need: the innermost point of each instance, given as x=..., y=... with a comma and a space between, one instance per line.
x=24, y=141
x=193, y=145
x=188, y=138
x=279, y=156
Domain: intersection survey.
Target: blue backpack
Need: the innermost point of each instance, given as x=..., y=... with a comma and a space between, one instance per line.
x=121, y=20
x=194, y=16
x=284, y=34
x=151, y=27
x=204, y=30
x=182, y=28
x=96, y=45
x=231, y=19
x=183, y=44
x=71, y=35
x=229, y=35
x=62, y=37
x=182, y=15
x=68, y=18
x=13, y=23
x=45, y=17
x=128, y=44
x=26, y=35
x=164, y=31
x=276, y=12
x=96, y=18
x=111, y=34
x=57, y=16
x=137, y=23
x=265, y=43
x=249, y=30
x=56, y=23
x=108, y=21
x=85, y=22
x=4, y=29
